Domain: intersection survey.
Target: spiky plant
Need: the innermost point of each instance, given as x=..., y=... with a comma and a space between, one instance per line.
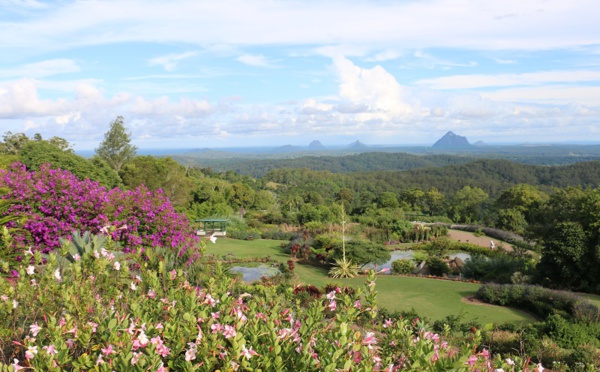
x=343, y=268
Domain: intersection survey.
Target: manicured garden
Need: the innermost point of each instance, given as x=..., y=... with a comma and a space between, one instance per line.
x=430, y=298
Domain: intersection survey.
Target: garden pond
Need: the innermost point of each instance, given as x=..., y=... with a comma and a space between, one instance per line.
x=407, y=255
x=252, y=274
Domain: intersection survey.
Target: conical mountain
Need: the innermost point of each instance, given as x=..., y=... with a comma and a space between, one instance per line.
x=451, y=140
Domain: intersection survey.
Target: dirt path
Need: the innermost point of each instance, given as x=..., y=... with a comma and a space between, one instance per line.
x=483, y=241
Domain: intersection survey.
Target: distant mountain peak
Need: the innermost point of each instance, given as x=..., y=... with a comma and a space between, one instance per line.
x=316, y=145
x=452, y=140
x=480, y=143
x=357, y=145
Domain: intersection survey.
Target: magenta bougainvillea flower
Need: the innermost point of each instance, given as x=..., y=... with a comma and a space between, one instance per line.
x=56, y=203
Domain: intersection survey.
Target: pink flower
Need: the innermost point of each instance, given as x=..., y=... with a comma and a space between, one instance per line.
x=108, y=350
x=331, y=295
x=357, y=304
x=151, y=294
x=370, y=340
x=539, y=367
x=116, y=265
x=136, y=358
x=229, y=332
x=16, y=365
x=190, y=354
x=332, y=305
x=162, y=368
x=50, y=350
x=34, y=329
x=31, y=351
x=94, y=326
x=387, y=323
x=472, y=360
x=248, y=353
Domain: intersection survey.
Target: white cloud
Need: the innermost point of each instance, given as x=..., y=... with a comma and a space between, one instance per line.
x=505, y=80
x=170, y=61
x=533, y=25
x=375, y=89
x=255, y=60
x=41, y=69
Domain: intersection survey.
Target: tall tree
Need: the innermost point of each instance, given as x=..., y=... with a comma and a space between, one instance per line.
x=116, y=149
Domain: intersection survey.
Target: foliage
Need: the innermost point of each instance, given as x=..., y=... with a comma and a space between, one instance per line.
x=114, y=318
x=403, y=267
x=363, y=252
x=244, y=235
x=55, y=203
x=494, y=269
x=116, y=148
x=540, y=301
x=437, y=266
x=274, y=234
x=159, y=173
x=343, y=268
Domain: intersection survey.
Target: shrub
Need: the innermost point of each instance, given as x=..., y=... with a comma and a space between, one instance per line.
x=274, y=234
x=437, y=266
x=55, y=203
x=403, y=267
x=541, y=301
x=497, y=269
x=244, y=235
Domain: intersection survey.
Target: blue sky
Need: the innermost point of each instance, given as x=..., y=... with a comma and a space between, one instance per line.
x=230, y=73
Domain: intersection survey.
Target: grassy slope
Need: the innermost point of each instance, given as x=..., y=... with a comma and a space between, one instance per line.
x=431, y=298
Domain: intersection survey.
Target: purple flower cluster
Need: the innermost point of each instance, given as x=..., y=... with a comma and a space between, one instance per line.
x=56, y=203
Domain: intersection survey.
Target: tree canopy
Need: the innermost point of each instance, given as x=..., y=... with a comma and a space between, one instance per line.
x=116, y=148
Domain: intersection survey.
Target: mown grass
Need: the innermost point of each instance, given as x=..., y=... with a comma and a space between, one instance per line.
x=430, y=298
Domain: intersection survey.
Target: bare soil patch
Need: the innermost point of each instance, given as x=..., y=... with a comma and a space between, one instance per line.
x=482, y=241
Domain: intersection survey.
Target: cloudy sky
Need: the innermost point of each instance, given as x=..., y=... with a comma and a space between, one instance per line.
x=226, y=73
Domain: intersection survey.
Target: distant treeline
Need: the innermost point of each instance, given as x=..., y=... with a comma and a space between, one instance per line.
x=492, y=176
x=381, y=161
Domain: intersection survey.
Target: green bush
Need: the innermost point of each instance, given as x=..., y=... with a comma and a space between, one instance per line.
x=496, y=269
x=274, y=234
x=244, y=235
x=540, y=301
x=403, y=267
x=437, y=266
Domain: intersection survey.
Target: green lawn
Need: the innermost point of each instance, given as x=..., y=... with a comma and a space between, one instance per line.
x=430, y=298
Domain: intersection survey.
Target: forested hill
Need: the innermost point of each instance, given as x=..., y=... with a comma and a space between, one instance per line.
x=363, y=162
x=493, y=176
x=257, y=165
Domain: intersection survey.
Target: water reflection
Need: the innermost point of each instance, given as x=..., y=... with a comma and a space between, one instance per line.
x=252, y=274
x=408, y=255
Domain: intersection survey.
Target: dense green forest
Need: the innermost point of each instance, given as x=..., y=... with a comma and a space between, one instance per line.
x=346, y=161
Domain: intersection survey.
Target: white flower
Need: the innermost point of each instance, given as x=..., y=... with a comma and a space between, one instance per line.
x=15, y=304
x=213, y=239
x=57, y=275
x=30, y=270
x=117, y=265
x=133, y=286
x=76, y=257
